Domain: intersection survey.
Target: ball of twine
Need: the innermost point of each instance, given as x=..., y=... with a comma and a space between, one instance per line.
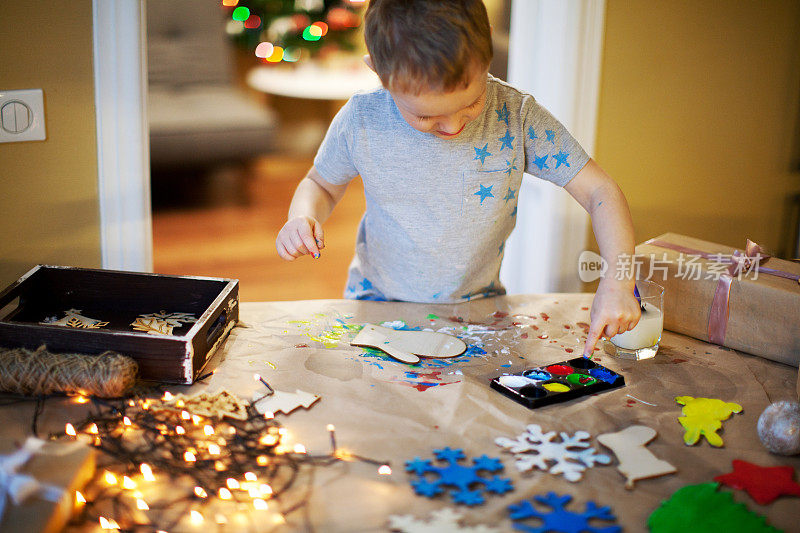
x=107, y=375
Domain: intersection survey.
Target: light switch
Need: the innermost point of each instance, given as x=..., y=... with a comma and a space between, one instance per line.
x=22, y=115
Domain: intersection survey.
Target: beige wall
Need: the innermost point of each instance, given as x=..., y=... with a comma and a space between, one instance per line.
x=49, y=211
x=699, y=120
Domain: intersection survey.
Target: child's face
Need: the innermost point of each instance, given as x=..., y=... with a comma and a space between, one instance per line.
x=443, y=114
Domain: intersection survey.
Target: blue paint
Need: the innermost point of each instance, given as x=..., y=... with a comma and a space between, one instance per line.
x=537, y=374
x=603, y=375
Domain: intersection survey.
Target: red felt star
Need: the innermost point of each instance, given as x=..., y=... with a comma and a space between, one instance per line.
x=763, y=483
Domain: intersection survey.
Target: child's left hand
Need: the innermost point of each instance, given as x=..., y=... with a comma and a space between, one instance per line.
x=614, y=310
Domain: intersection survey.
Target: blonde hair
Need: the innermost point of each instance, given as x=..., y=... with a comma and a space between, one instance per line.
x=418, y=45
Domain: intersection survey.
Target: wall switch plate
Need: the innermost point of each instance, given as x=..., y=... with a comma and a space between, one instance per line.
x=22, y=116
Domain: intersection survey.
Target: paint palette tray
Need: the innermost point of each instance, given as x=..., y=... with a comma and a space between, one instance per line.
x=558, y=382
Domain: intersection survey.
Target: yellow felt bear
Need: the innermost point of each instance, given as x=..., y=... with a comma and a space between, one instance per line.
x=704, y=416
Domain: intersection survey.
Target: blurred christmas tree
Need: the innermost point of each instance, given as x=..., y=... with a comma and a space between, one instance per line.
x=290, y=30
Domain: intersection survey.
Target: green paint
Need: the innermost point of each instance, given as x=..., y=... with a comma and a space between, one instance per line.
x=432, y=317
x=702, y=509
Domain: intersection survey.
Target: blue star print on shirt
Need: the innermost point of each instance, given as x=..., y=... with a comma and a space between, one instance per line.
x=483, y=153
x=561, y=158
x=551, y=135
x=485, y=192
x=511, y=165
x=500, y=249
x=509, y=195
x=507, y=139
x=514, y=212
x=502, y=114
x=540, y=162
x=531, y=133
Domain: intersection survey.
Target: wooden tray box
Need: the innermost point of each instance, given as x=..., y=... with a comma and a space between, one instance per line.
x=119, y=298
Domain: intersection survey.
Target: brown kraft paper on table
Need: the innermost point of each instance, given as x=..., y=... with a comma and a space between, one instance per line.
x=764, y=310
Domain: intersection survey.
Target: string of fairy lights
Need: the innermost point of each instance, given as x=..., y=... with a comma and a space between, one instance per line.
x=164, y=467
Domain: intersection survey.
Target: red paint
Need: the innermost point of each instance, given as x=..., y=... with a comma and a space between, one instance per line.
x=678, y=361
x=584, y=308
x=763, y=483
x=517, y=324
x=524, y=336
x=499, y=314
x=543, y=336
x=567, y=326
x=535, y=328
x=552, y=342
x=568, y=350
x=584, y=326
x=301, y=345
x=455, y=319
x=544, y=316
x=560, y=370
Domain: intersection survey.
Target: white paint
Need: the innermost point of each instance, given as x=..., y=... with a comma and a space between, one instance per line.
x=555, y=54
x=122, y=142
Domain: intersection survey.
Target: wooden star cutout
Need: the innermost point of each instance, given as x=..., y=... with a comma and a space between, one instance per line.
x=763, y=483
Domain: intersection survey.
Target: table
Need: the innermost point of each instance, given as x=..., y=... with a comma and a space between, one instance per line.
x=380, y=411
x=313, y=82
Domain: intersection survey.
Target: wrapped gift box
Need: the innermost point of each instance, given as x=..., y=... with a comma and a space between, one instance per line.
x=739, y=298
x=90, y=311
x=67, y=466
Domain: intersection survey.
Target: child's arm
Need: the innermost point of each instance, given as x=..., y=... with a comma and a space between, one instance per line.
x=313, y=201
x=615, y=309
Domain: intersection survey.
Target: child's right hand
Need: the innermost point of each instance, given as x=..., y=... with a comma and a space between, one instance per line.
x=300, y=236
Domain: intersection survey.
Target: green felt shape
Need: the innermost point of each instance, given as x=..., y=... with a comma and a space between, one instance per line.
x=702, y=509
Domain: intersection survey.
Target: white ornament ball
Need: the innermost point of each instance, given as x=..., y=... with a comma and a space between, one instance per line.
x=779, y=428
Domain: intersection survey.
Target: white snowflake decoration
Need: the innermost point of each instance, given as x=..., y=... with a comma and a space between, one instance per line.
x=441, y=521
x=284, y=401
x=572, y=455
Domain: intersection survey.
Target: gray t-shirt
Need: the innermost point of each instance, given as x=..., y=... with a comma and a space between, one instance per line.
x=439, y=211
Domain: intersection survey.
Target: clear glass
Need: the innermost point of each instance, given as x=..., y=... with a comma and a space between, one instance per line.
x=642, y=341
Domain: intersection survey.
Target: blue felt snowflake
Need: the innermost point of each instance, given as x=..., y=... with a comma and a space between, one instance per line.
x=559, y=519
x=458, y=476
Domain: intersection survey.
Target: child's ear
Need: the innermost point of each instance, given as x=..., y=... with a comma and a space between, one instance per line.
x=368, y=61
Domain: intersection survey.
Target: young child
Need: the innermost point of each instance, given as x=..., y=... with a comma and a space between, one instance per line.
x=441, y=149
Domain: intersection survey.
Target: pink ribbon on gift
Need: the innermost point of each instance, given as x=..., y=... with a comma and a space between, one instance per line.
x=739, y=262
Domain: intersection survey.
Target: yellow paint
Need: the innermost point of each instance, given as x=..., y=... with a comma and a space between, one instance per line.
x=704, y=416
x=556, y=387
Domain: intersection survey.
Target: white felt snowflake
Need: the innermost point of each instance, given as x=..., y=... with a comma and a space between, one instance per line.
x=442, y=521
x=572, y=455
x=284, y=401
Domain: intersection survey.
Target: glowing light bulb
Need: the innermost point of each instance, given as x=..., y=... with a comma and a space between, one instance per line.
x=299, y=448
x=385, y=470
x=213, y=449
x=322, y=27
x=264, y=50
x=232, y=483
x=241, y=14
x=224, y=494
x=69, y=430
x=250, y=476
x=110, y=478
x=268, y=440
x=276, y=55
x=262, y=460
x=93, y=429
x=219, y=466
x=189, y=457
x=230, y=3
x=81, y=399
x=147, y=472
x=179, y=430
x=265, y=489
x=79, y=497
x=179, y=404
x=260, y=504
x=185, y=415
x=253, y=22
x=200, y=492
x=196, y=420
x=195, y=517
x=126, y=420
x=128, y=483
x=167, y=396
x=208, y=430
x=104, y=523
x=141, y=504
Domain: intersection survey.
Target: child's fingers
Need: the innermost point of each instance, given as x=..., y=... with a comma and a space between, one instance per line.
x=308, y=240
x=297, y=245
x=283, y=252
x=319, y=235
x=595, y=331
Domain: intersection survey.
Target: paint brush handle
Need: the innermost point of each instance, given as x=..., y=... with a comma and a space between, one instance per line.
x=638, y=296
